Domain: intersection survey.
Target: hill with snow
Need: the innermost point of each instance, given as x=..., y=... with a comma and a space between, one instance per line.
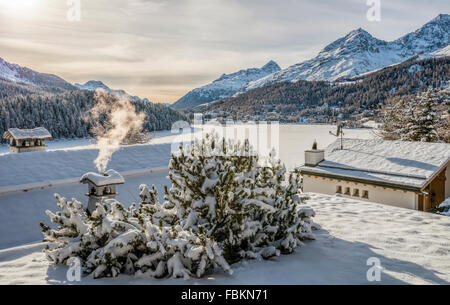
x=347, y=96
x=225, y=86
x=17, y=79
x=94, y=85
x=359, y=52
x=25, y=76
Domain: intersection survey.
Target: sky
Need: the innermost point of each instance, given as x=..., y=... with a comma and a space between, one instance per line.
x=161, y=49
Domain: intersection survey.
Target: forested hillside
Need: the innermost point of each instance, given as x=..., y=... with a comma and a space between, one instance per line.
x=66, y=115
x=9, y=88
x=353, y=96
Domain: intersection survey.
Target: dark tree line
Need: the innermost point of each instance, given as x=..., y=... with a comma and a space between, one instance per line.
x=66, y=115
x=354, y=95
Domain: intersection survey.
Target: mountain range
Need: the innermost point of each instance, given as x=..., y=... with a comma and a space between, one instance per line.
x=32, y=81
x=94, y=85
x=225, y=86
x=355, y=54
x=22, y=75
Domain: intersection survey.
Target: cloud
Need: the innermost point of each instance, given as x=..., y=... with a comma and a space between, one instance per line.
x=165, y=48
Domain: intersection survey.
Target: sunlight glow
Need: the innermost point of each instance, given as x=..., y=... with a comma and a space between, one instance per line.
x=18, y=7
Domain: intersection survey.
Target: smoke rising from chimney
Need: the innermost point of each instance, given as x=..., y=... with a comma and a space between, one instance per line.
x=120, y=119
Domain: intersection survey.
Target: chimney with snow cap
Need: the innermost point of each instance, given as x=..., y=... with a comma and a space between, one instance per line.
x=101, y=186
x=314, y=156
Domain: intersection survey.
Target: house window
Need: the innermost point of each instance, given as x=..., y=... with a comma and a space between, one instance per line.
x=365, y=194
x=338, y=189
x=356, y=193
x=347, y=191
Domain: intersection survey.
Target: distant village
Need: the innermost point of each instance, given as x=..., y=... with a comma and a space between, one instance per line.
x=319, y=115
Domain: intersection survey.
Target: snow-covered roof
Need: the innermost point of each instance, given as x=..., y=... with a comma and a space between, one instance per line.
x=398, y=162
x=108, y=178
x=36, y=133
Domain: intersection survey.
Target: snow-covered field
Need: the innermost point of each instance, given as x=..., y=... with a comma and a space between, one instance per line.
x=413, y=247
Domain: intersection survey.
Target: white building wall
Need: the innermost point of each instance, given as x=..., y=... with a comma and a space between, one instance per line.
x=399, y=198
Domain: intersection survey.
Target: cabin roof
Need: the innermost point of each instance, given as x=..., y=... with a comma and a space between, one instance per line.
x=21, y=134
x=396, y=162
x=109, y=178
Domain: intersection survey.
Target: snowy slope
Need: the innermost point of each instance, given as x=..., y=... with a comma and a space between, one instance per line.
x=94, y=85
x=225, y=86
x=413, y=248
x=58, y=165
x=18, y=74
x=359, y=52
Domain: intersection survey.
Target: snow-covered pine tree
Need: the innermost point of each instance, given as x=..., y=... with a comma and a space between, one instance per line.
x=64, y=241
x=424, y=124
x=291, y=222
x=394, y=121
x=212, y=188
x=174, y=247
x=405, y=125
x=413, y=120
x=106, y=243
x=222, y=206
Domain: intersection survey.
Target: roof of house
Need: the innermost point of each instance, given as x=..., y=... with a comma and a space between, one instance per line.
x=108, y=178
x=20, y=134
x=396, y=162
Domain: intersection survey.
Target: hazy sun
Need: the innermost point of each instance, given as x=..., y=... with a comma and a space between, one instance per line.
x=18, y=7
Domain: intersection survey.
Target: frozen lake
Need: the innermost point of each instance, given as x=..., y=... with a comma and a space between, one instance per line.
x=294, y=140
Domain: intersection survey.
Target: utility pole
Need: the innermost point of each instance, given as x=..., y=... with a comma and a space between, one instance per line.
x=339, y=133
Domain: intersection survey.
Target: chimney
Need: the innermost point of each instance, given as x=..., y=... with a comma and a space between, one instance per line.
x=101, y=186
x=314, y=157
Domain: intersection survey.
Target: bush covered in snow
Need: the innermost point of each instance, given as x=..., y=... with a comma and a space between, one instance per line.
x=223, y=206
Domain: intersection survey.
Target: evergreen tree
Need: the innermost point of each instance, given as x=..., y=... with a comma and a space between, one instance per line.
x=424, y=122
x=394, y=121
x=416, y=119
x=223, y=206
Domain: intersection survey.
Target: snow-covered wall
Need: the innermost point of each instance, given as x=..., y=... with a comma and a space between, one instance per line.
x=398, y=198
x=57, y=165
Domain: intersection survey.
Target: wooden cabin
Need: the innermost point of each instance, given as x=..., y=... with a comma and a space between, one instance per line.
x=26, y=140
x=413, y=175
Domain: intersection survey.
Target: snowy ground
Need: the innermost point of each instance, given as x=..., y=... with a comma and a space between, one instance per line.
x=413, y=248
x=21, y=212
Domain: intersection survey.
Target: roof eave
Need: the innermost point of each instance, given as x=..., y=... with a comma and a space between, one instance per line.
x=441, y=168
x=405, y=187
x=84, y=181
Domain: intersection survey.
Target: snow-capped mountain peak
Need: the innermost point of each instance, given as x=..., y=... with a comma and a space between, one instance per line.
x=357, y=40
x=432, y=36
x=271, y=66
x=225, y=86
x=359, y=52
x=94, y=85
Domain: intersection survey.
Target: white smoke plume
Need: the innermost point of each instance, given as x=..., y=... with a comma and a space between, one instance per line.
x=121, y=120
